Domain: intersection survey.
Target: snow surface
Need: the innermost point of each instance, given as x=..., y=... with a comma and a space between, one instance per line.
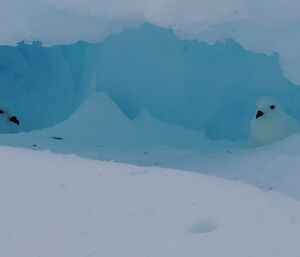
x=58, y=205
x=261, y=26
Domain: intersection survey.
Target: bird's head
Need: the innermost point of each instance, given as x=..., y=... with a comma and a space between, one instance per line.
x=267, y=107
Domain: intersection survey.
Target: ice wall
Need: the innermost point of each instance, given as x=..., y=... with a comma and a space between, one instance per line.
x=43, y=86
x=196, y=85
x=210, y=88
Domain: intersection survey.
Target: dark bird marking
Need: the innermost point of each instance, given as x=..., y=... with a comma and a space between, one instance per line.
x=58, y=138
x=259, y=114
x=14, y=120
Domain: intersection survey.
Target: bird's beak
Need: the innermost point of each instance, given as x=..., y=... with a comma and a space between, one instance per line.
x=14, y=120
x=259, y=114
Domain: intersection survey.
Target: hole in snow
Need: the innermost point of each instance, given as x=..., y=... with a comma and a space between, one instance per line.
x=204, y=227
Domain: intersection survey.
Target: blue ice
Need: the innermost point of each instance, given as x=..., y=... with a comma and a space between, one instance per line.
x=194, y=85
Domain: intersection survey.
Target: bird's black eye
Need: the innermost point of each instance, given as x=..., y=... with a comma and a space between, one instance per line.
x=272, y=107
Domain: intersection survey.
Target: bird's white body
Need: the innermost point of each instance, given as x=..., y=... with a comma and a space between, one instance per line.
x=269, y=125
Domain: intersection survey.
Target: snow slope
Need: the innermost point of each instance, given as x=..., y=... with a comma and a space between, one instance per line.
x=58, y=205
x=99, y=122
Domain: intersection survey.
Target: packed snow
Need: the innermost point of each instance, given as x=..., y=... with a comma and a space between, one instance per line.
x=59, y=205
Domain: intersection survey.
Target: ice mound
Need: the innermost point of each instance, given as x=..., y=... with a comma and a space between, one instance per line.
x=99, y=122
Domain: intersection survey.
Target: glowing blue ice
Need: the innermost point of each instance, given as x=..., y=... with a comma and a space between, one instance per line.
x=211, y=88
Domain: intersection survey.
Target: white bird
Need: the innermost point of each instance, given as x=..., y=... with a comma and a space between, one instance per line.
x=270, y=123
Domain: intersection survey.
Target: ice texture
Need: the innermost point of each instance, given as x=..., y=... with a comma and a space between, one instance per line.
x=197, y=86
x=43, y=86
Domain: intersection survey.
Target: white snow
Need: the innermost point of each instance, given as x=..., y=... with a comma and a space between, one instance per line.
x=262, y=26
x=59, y=205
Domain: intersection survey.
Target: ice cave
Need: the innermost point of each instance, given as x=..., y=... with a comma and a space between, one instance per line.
x=193, y=70
x=207, y=88
x=154, y=128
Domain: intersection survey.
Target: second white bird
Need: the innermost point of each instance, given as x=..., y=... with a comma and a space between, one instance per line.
x=270, y=123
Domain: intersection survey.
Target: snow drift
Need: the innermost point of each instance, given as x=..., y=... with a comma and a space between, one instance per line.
x=65, y=206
